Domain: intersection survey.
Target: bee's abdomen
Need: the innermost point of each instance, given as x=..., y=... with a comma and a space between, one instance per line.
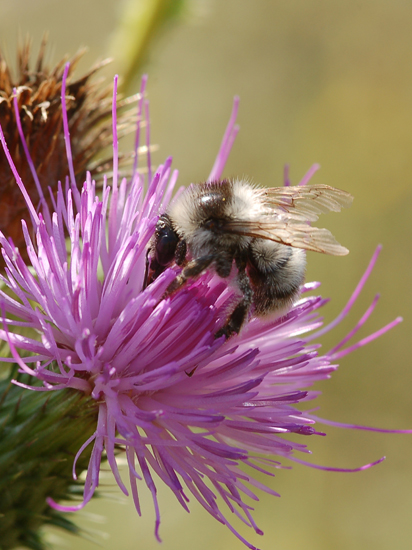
x=276, y=273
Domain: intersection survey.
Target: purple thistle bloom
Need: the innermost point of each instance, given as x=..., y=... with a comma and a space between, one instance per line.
x=180, y=403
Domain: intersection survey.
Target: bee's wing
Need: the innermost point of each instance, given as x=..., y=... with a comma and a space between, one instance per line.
x=290, y=233
x=288, y=211
x=306, y=202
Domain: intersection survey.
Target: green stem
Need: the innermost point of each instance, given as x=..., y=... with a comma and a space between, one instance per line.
x=140, y=24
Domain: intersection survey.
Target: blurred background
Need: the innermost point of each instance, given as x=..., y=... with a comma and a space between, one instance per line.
x=319, y=81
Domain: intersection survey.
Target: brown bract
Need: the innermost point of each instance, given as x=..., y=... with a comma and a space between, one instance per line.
x=38, y=91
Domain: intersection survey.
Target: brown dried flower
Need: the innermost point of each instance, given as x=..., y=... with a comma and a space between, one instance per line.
x=38, y=90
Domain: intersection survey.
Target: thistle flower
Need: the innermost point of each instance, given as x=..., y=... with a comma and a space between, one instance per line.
x=36, y=92
x=202, y=413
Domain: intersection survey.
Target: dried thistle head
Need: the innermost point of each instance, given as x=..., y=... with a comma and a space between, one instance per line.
x=38, y=91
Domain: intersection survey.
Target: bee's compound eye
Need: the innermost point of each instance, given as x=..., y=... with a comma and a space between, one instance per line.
x=166, y=246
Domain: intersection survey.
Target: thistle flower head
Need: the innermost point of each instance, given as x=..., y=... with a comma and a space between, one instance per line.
x=32, y=100
x=202, y=413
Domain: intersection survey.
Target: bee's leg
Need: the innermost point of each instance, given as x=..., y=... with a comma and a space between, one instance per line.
x=180, y=254
x=239, y=314
x=191, y=271
x=152, y=271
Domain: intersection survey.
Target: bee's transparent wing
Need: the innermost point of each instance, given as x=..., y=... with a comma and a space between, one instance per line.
x=306, y=202
x=289, y=210
x=298, y=235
